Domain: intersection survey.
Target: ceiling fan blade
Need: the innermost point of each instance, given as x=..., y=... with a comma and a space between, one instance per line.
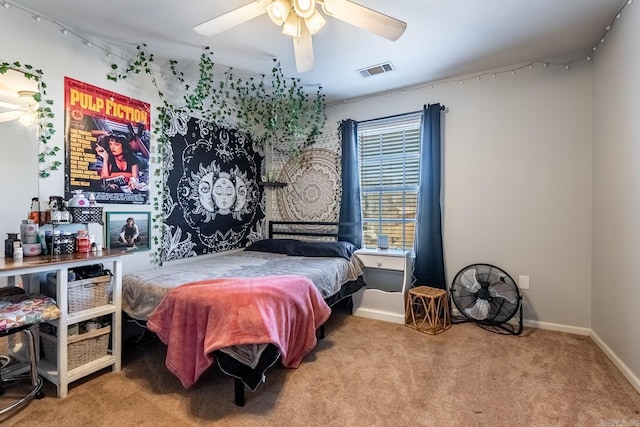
x=303, y=49
x=365, y=18
x=9, y=105
x=10, y=115
x=235, y=17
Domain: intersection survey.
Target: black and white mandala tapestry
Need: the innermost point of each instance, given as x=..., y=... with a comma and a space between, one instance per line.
x=214, y=202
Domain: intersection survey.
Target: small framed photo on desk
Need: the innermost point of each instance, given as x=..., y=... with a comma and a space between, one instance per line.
x=128, y=230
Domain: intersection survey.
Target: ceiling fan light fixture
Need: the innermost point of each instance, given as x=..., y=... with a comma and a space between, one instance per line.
x=304, y=8
x=278, y=11
x=315, y=22
x=26, y=98
x=291, y=26
x=327, y=8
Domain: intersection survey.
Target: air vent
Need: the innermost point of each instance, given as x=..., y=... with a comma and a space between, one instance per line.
x=376, y=69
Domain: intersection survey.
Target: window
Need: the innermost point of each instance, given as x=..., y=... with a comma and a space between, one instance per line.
x=389, y=176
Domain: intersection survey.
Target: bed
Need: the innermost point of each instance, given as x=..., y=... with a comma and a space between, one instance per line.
x=285, y=273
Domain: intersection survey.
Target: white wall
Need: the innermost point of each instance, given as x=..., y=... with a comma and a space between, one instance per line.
x=57, y=55
x=616, y=191
x=517, y=179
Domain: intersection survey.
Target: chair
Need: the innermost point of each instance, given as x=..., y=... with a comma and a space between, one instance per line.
x=19, y=312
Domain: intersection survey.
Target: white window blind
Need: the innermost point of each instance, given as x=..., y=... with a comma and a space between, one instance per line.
x=389, y=152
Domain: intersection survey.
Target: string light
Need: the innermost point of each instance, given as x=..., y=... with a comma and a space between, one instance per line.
x=110, y=53
x=66, y=31
x=566, y=65
x=63, y=29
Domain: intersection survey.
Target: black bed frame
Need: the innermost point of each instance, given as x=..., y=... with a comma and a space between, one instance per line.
x=276, y=228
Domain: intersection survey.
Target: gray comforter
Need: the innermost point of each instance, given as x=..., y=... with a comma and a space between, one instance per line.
x=143, y=291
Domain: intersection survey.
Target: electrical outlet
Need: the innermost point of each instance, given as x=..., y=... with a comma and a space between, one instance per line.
x=523, y=282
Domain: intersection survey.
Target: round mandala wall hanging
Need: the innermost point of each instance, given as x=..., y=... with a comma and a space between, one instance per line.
x=312, y=187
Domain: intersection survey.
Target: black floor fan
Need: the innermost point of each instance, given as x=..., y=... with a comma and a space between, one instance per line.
x=488, y=296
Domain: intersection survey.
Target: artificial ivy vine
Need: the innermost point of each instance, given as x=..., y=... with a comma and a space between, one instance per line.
x=275, y=111
x=46, y=153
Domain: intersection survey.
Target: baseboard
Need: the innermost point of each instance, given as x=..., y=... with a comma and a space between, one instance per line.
x=378, y=315
x=540, y=325
x=628, y=374
x=557, y=327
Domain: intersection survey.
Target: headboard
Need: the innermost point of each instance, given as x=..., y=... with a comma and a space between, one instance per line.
x=317, y=229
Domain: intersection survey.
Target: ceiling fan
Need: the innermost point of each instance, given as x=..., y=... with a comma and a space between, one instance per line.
x=300, y=19
x=20, y=106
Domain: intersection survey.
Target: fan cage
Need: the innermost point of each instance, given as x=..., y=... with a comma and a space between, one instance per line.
x=501, y=310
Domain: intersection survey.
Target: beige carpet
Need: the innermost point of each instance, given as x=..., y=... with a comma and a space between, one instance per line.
x=368, y=373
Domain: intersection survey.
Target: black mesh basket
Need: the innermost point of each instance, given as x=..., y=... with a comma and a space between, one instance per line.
x=86, y=214
x=60, y=244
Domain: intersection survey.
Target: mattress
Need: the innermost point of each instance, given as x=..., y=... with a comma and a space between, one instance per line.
x=143, y=291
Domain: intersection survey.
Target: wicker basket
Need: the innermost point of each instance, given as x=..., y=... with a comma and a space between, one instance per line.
x=81, y=349
x=86, y=214
x=83, y=294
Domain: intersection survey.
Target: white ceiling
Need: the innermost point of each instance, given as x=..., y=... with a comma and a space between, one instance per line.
x=444, y=38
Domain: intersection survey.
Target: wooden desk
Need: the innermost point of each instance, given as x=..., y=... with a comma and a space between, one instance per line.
x=29, y=268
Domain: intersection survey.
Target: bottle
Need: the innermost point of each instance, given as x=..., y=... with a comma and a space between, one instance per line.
x=55, y=206
x=17, y=253
x=34, y=213
x=82, y=241
x=78, y=200
x=45, y=214
x=29, y=231
x=8, y=244
x=65, y=215
x=42, y=239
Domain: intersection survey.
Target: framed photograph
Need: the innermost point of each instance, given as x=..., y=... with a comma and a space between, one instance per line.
x=128, y=230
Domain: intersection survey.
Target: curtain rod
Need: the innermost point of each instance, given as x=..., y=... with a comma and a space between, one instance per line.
x=442, y=107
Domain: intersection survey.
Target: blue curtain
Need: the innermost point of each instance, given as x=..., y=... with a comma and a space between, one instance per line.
x=429, y=261
x=350, y=205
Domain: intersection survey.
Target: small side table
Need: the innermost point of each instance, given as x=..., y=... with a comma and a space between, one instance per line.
x=428, y=310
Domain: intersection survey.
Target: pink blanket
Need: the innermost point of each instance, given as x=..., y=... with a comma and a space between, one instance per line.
x=195, y=319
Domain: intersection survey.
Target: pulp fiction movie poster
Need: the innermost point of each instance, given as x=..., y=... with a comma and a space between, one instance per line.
x=107, y=137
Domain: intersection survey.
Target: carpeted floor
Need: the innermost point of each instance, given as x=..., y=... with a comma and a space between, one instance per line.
x=368, y=373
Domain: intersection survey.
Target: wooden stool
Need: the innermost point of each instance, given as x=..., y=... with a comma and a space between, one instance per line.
x=428, y=310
